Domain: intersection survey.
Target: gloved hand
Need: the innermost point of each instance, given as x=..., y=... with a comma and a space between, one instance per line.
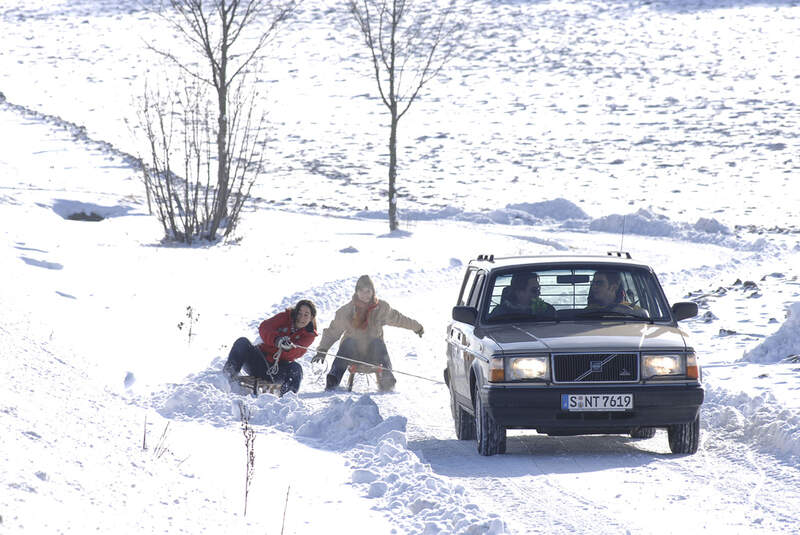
x=420, y=331
x=284, y=342
x=319, y=357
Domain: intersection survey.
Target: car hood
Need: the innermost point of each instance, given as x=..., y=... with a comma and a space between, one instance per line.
x=588, y=336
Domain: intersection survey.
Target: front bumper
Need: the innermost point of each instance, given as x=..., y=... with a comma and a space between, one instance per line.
x=539, y=407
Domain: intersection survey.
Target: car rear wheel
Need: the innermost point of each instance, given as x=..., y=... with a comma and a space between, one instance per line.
x=643, y=432
x=490, y=437
x=684, y=438
x=464, y=422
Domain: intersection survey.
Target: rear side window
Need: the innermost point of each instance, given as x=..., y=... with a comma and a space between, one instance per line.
x=475, y=294
x=466, y=287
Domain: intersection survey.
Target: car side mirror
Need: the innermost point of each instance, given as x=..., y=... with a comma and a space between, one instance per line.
x=465, y=314
x=683, y=310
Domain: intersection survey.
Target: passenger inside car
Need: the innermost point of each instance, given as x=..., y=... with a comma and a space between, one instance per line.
x=521, y=297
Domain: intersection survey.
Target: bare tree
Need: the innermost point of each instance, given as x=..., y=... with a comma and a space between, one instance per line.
x=178, y=130
x=409, y=44
x=217, y=30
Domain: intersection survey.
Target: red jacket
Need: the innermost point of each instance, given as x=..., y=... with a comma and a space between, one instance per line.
x=282, y=325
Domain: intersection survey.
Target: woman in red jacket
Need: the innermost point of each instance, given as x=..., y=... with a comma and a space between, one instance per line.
x=286, y=331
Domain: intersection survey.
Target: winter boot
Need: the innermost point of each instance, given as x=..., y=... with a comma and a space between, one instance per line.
x=331, y=382
x=386, y=381
x=229, y=372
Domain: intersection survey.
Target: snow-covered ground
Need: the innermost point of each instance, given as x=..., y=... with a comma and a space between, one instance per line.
x=557, y=119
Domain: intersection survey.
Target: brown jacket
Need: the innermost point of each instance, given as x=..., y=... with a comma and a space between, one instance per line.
x=378, y=317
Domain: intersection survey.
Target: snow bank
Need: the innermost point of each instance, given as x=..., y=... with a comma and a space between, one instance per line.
x=571, y=217
x=376, y=447
x=346, y=422
x=784, y=343
x=760, y=421
x=423, y=501
x=642, y=222
x=557, y=209
x=560, y=210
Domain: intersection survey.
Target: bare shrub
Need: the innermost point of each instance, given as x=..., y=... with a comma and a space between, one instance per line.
x=249, y=446
x=221, y=150
x=179, y=177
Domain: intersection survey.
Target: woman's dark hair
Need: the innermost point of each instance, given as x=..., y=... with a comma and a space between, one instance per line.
x=311, y=307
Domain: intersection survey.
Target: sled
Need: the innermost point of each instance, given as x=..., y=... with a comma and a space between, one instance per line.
x=257, y=386
x=363, y=368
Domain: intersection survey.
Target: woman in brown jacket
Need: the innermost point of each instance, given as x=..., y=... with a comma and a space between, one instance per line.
x=360, y=324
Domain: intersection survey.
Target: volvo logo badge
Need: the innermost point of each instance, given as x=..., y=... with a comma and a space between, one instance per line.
x=597, y=365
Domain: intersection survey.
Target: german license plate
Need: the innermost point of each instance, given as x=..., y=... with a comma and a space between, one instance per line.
x=596, y=402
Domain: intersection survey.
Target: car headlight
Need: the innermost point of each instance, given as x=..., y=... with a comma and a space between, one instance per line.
x=527, y=368
x=663, y=365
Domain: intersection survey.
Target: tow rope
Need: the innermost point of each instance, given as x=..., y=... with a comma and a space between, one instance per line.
x=371, y=365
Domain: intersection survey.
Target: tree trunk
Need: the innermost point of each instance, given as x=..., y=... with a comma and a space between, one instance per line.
x=222, y=160
x=393, y=170
x=221, y=206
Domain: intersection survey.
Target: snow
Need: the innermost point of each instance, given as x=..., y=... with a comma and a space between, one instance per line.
x=781, y=346
x=558, y=125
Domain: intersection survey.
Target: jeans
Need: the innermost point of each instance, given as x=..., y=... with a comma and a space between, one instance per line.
x=245, y=355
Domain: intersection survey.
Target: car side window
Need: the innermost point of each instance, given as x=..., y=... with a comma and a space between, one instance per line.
x=466, y=288
x=475, y=294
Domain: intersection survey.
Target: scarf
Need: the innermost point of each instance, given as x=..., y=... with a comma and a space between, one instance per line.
x=361, y=312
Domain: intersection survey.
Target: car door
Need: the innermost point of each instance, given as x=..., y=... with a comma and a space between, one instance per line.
x=462, y=334
x=455, y=339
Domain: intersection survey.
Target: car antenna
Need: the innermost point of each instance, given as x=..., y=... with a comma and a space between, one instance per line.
x=622, y=239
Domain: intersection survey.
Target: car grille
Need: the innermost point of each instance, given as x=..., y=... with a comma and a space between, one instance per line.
x=596, y=368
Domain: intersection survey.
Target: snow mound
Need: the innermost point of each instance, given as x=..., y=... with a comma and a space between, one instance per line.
x=711, y=226
x=69, y=209
x=642, y=222
x=346, y=422
x=205, y=397
x=760, y=421
x=784, y=343
x=646, y=223
x=423, y=501
x=558, y=209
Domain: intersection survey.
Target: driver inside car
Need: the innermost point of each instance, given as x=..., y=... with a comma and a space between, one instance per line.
x=606, y=291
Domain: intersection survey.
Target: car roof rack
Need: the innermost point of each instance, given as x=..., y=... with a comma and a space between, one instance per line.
x=619, y=254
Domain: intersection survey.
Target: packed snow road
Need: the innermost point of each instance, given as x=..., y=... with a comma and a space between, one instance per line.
x=599, y=484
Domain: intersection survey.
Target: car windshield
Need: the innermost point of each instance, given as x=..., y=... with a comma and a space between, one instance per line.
x=580, y=293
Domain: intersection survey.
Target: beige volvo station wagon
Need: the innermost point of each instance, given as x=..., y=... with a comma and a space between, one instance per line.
x=570, y=345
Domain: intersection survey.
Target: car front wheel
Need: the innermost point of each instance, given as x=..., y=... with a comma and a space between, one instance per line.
x=684, y=438
x=490, y=437
x=464, y=422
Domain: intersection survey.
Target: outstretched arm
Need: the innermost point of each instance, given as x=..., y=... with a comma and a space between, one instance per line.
x=333, y=332
x=396, y=319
